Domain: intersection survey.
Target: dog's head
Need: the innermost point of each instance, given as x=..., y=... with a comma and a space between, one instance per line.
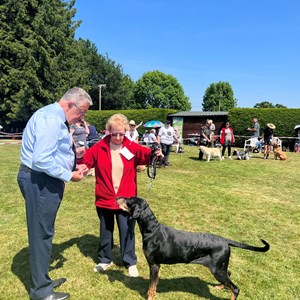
x=203, y=149
x=246, y=155
x=235, y=153
x=134, y=205
x=275, y=145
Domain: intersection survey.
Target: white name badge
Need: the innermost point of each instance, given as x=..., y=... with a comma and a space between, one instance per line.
x=126, y=153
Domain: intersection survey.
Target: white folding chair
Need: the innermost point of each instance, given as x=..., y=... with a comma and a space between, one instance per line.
x=277, y=140
x=250, y=143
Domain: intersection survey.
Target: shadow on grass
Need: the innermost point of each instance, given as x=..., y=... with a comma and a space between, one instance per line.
x=190, y=285
x=88, y=245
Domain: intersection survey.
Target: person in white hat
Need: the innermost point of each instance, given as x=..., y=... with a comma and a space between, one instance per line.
x=266, y=139
x=132, y=134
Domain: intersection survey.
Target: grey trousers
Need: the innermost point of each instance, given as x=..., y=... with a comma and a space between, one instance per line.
x=43, y=195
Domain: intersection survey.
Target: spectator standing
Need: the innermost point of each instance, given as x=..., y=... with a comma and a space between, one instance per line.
x=132, y=134
x=146, y=137
x=47, y=162
x=93, y=136
x=176, y=139
x=79, y=132
x=254, y=129
x=115, y=159
x=227, y=139
x=204, y=138
x=166, y=137
x=152, y=138
x=212, y=128
x=266, y=138
x=297, y=143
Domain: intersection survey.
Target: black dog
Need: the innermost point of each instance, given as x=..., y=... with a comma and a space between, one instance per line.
x=166, y=245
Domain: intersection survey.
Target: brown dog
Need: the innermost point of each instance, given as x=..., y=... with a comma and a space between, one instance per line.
x=278, y=153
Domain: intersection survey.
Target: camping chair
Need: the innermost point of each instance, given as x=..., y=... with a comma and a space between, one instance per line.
x=250, y=143
x=277, y=140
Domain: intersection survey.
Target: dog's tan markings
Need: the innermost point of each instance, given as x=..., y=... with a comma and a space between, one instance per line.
x=152, y=289
x=122, y=204
x=220, y=287
x=232, y=296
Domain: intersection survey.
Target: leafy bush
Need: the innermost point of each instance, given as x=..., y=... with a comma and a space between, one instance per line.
x=99, y=118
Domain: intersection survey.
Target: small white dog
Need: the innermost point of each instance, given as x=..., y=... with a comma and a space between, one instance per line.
x=210, y=152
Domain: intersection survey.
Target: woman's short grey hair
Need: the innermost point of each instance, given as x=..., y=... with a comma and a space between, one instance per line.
x=78, y=95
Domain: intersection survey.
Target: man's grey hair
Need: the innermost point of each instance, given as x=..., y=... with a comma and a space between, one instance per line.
x=78, y=95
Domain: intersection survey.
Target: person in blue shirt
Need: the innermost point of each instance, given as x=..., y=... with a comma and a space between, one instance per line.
x=47, y=162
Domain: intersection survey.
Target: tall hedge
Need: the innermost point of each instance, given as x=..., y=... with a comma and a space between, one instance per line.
x=284, y=119
x=99, y=118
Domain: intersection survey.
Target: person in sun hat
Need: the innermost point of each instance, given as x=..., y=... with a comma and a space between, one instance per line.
x=132, y=134
x=266, y=139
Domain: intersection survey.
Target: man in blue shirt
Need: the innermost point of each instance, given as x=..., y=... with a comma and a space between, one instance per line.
x=47, y=162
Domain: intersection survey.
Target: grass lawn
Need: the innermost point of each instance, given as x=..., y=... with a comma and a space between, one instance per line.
x=241, y=200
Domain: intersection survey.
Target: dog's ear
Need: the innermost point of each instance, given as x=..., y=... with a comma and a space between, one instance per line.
x=122, y=204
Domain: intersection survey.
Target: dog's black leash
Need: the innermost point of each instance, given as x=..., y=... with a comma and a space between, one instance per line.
x=151, y=169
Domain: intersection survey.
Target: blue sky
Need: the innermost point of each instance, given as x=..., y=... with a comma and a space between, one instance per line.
x=254, y=45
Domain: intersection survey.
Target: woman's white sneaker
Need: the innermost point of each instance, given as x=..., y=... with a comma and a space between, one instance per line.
x=102, y=267
x=133, y=271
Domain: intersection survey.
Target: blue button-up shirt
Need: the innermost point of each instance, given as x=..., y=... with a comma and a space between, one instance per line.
x=47, y=144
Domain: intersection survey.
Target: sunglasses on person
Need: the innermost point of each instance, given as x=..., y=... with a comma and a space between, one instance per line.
x=117, y=134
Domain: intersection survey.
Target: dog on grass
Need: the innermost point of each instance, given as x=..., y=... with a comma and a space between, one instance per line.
x=241, y=154
x=278, y=153
x=166, y=245
x=210, y=152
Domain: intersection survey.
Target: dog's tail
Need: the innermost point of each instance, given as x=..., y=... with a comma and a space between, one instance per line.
x=249, y=247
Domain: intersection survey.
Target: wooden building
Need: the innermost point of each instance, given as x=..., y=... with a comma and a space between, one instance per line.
x=189, y=122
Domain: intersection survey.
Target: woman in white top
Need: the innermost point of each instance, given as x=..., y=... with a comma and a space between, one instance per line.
x=166, y=137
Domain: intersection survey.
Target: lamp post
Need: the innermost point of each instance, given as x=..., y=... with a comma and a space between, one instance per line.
x=219, y=98
x=100, y=86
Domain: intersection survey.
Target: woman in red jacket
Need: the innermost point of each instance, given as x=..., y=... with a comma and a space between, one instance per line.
x=226, y=139
x=115, y=159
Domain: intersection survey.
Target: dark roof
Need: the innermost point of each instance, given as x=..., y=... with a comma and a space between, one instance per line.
x=199, y=113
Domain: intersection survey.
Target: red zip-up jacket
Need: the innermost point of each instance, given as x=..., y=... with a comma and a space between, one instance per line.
x=99, y=157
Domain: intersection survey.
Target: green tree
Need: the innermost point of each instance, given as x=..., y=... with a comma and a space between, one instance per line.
x=158, y=90
x=219, y=97
x=39, y=55
x=100, y=69
x=279, y=106
x=264, y=104
x=267, y=104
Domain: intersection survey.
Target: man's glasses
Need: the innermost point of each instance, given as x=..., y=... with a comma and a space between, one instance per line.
x=81, y=112
x=118, y=134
